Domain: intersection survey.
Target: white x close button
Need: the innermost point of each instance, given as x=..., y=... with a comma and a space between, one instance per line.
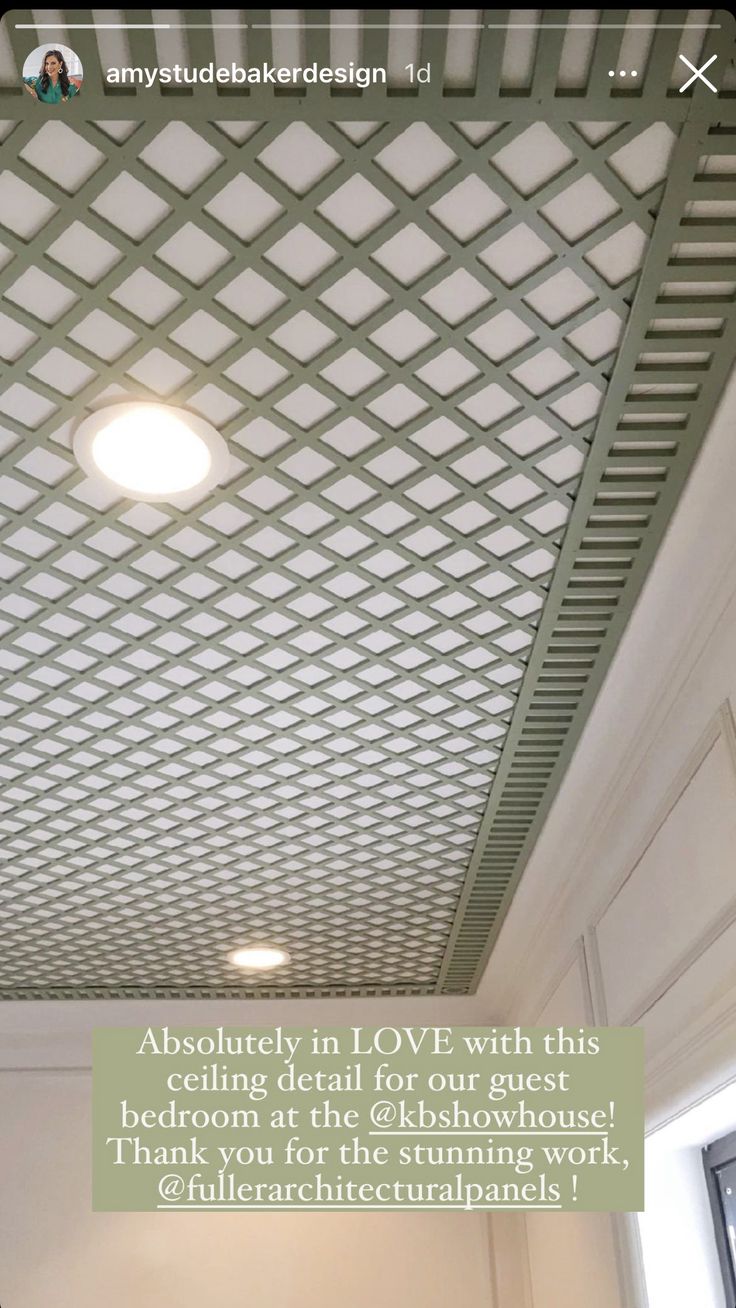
x=697, y=74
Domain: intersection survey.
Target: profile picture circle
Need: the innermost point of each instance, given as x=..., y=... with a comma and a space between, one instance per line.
x=53, y=74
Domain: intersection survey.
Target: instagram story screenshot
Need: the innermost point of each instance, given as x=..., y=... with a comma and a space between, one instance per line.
x=368, y=658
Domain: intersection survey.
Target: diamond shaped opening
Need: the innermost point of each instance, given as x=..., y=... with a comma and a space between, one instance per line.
x=193, y=253
x=131, y=207
x=306, y=406
x=356, y=208
x=265, y=493
x=62, y=155
x=560, y=297
x=516, y=491
x=24, y=210
x=535, y=564
x=41, y=295
x=26, y=406
x=301, y=254
x=14, y=339
x=529, y=435
x=397, y=406
x=303, y=336
x=409, y=254
x=416, y=157
x=448, y=372
x=489, y=405
x=354, y=297
x=461, y=563
x=351, y=437
x=392, y=466
x=476, y=132
x=146, y=296
x=386, y=563
x=262, y=438
x=388, y=518
x=439, y=437
x=403, y=336
x=204, y=336
x=347, y=542
x=309, y=564
x=517, y=254
x=562, y=465
x=349, y=493
x=426, y=541
x=543, y=371
x=299, y=157
x=103, y=336
x=85, y=253
x=29, y=542
x=579, y=406
x=621, y=255
x=215, y=405
x=159, y=372
x=269, y=542
x=256, y=372
x=478, y=466
x=61, y=370
x=358, y=132
x=548, y=518
x=181, y=156
x=307, y=467
x=457, y=297
x=643, y=162
x=352, y=373
x=469, y=518
x=250, y=297
x=598, y=336
x=118, y=129
x=239, y=131
x=594, y=133
x=580, y=208
x=501, y=336
x=433, y=492
x=534, y=157
x=468, y=208
x=244, y=208
x=504, y=541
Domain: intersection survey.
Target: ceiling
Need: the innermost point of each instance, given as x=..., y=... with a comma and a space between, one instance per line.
x=463, y=345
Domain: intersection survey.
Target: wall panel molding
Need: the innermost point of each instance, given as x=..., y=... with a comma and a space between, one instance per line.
x=720, y=728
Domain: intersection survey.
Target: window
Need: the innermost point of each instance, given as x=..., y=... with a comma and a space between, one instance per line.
x=719, y=1161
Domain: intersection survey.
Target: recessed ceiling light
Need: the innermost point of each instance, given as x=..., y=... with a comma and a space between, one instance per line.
x=151, y=451
x=260, y=959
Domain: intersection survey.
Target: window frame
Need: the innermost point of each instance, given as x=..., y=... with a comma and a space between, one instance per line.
x=715, y=1156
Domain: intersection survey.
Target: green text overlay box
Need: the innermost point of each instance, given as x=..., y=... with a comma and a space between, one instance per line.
x=238, y=1118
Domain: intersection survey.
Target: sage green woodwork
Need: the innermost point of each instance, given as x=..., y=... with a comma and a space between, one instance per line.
x=139, y=845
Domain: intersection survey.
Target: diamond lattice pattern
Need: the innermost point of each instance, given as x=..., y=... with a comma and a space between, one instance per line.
x=276, y=714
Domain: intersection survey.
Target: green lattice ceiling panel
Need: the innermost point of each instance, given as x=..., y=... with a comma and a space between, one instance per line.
x=463, y=351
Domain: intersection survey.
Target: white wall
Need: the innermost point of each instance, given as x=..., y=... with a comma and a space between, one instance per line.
x=55, y=1250
x=628, y=905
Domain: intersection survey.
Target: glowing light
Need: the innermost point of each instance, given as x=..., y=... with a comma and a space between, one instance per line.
x=150, y=451
x=260, y=959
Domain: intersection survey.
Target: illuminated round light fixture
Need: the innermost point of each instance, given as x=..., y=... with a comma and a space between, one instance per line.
x=259, y=958
x=151, y=451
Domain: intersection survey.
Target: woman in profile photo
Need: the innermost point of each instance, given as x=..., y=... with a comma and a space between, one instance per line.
x=53, y=85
